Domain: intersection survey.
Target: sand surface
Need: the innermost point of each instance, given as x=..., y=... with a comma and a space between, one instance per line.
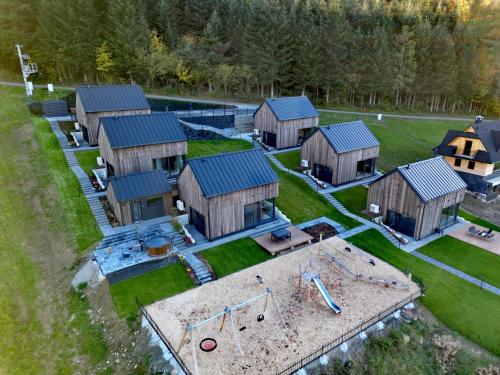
x=269, y=346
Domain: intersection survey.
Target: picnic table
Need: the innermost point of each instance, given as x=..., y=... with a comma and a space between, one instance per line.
x=280, y=235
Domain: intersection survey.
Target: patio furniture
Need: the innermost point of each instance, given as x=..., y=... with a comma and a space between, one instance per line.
x=280, y=235
x=487, y=234
x=473, y=231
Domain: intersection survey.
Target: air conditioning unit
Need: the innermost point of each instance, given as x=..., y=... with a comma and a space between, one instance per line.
x=100, y=161
x=256, y=132
x=180, y=205
x=375, y=208
x=77, y=126
x=304, y=163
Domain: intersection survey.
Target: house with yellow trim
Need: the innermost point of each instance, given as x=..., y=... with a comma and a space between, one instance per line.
x=473, y=154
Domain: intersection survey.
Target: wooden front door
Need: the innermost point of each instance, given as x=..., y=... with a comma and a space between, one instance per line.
x=198, y=220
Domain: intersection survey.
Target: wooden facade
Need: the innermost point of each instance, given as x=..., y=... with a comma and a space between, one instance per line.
x=318, y=151
x=393, y=193
x=223, y=214
x=90, y=120
x=123, y=210
x=288, y=133
x=137, y=159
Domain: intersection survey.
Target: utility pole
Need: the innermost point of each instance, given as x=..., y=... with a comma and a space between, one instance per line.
x=26, y=69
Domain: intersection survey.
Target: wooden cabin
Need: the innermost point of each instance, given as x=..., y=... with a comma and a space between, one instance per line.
x=140, y=143
x=94, y=102
x=140, y=196
x=418, y=199
x=472, y=153
x=228, y=193
x=286, y=122
x=341, y=153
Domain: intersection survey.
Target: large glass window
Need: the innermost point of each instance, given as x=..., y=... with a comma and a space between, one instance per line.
x=449, y=215
x=365, y=167
x=172, y=165
x=259, y=212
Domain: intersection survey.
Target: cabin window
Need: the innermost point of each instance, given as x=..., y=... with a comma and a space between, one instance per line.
x=172, y=165
x=468, y=148
x=449, y=216
x=471, y=165
x=258, y=213
x=458, y=162
x=110, y=169
x=365, y=167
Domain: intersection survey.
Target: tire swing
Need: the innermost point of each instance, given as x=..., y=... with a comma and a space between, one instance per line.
x=208, y=344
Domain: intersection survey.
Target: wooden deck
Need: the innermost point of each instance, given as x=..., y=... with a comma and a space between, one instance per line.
x=274, y=247
x=491, y=245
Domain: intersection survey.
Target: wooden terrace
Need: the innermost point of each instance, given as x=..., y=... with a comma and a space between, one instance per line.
x=274, y=247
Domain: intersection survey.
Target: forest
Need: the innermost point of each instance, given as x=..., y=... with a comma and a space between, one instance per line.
x=411, y=55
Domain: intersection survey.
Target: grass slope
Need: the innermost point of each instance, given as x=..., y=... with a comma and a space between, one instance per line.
x=354, y=199
x=290, y=159
x=403, y=140
x=87, y=160
x=207, y=148
x=234, y=256
x=462, y=306
x=478, y=221
x=44, y=324
x=73, y=201
x=148, y=288
x=465, y=257
x=301, y=203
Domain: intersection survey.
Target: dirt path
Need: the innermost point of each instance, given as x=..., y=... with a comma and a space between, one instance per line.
x=487, y=211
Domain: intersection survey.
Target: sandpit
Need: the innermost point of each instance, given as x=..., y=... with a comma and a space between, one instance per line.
x=270, y=346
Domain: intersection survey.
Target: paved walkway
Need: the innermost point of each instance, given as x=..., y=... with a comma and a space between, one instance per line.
x=458, y=273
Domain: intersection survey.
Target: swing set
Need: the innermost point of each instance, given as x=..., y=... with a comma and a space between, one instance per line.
x=209, y=344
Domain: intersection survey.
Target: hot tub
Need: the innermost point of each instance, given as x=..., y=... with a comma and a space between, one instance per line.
x=158, y=246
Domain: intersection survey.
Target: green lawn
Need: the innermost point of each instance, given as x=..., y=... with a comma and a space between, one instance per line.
x=354, y=199
x=207, y=148
x=73, y=202
x=478, y=221
x=41, y=318
x=462, y=306
x=301, y=203
x=234, y=256
x=290, y=159
x=403, y=140
x=148, y=288
x=87, y=160
x=465, y=257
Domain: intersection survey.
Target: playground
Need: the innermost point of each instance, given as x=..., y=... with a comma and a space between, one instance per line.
x=263, y=318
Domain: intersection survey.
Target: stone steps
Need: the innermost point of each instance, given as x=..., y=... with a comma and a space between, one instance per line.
x=199, y=268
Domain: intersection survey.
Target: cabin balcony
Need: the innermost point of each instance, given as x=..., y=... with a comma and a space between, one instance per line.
x=465, y=154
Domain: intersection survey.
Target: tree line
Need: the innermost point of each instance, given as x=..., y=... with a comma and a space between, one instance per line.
x=439, y=56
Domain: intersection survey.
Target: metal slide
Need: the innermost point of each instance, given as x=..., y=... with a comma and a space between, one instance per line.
x=325, y=294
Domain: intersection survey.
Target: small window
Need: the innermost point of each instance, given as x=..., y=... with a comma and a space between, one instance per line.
x=458, y=162
x=471, y=164
x=154, y=201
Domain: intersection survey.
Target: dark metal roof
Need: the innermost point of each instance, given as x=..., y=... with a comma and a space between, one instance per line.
x=432, y=178
x=291, y=108
x=231, y=172
x=112, y=98
x=489, y=134
x=139, y=185
x=349, y=136
x=54, y=108
x=141, y=130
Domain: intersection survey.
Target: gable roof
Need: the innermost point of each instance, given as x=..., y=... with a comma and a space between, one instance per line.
x=141, y=130
x=111, y=98
x=430, y=178
x=349, y=136
x=231, y=172
x=489, y=134
x=291, y=108
x=140, y=185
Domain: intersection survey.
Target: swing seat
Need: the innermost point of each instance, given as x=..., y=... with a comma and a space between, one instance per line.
x=260, y=318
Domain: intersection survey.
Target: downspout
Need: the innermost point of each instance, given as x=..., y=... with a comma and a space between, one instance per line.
x=208, y=220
